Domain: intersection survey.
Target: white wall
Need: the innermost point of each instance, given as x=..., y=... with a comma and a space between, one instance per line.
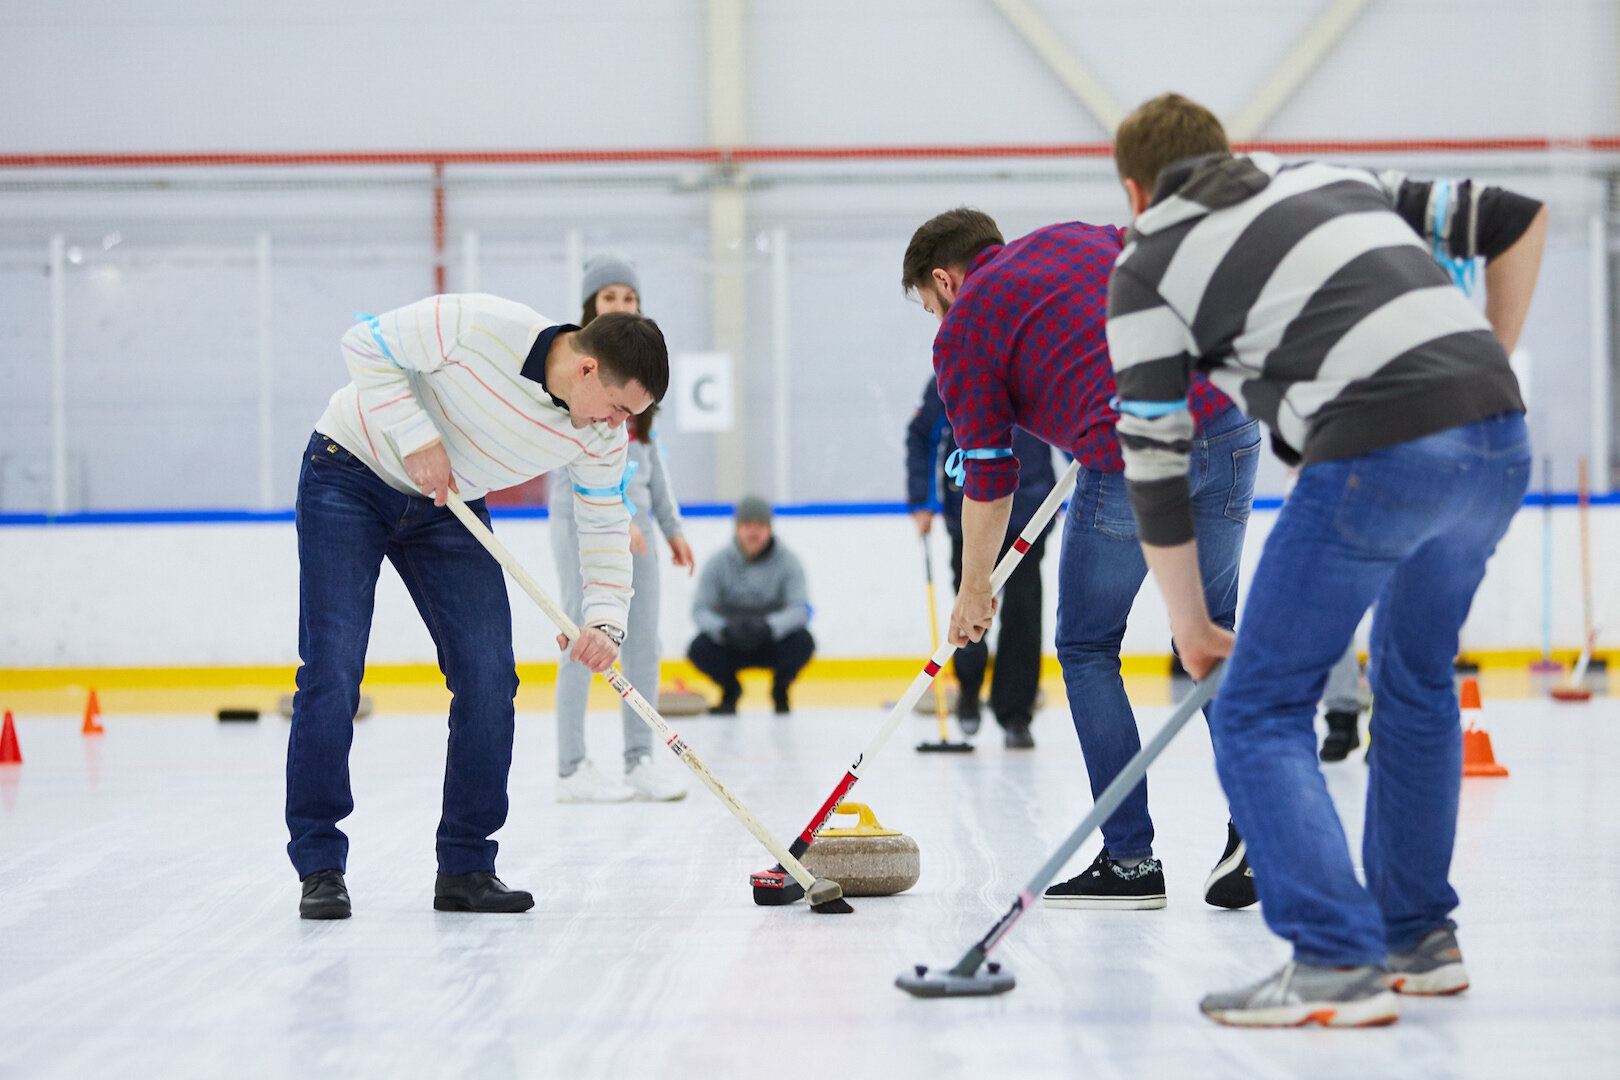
x=161, y=380
x=227, y=594
x=410, y=74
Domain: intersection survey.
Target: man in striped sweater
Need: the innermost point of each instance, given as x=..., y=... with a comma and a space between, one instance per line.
x=464, y=394
x=1312, y=295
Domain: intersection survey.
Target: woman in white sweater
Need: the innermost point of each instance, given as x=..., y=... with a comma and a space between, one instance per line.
x=611, y=285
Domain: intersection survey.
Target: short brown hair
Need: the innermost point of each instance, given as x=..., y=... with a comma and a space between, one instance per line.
x=628, y=347
x=1162, y=131
x=947, y=241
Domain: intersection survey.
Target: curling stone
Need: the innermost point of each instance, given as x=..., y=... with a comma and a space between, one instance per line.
x=925, y=704
x=678, y=699
x=867, y=860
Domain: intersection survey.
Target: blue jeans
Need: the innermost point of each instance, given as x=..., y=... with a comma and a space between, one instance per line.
x=1409, y=528
x=1099, y=573
x=348, y=520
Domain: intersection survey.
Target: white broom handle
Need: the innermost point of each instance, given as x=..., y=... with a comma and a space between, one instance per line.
x=998, y=578
x=631, y=696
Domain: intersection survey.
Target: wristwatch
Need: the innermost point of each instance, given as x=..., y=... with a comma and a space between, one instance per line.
x=615, y=633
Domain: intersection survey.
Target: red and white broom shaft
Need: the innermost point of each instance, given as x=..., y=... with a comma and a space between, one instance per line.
x=615, y=678
x=919, y=686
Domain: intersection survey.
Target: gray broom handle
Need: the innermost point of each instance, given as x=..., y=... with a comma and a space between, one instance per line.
x=1106, y=804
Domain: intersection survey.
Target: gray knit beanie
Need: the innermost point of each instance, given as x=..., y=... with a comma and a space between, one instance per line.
x=604, y=270
x=753, y=510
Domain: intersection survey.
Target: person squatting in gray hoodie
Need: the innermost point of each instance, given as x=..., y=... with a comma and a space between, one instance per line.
x=752, y=611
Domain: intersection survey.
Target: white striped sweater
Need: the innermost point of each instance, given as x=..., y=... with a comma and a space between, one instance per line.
x=450, y=368
x=1311, y=302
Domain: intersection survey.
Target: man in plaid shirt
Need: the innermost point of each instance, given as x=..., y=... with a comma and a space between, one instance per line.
x=1021, y=343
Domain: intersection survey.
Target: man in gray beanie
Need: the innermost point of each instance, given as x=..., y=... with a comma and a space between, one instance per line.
x=752, y=611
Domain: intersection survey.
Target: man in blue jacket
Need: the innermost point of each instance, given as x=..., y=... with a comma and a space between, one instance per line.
x=1018, y=645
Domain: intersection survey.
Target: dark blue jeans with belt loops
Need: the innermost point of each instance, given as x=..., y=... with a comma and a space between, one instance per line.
x=1406, y=530
x=349, y=520
x=1100, y=571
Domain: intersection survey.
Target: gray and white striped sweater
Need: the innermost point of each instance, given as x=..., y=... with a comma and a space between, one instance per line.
x=1311, y=295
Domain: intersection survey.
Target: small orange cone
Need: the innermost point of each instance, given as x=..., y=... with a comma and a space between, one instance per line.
x=1478, y=757
x=92, y=709
x=10, y=752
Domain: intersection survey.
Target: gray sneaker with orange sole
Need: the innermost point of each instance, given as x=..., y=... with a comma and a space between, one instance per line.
x=1299, y=994
x=1433, y=967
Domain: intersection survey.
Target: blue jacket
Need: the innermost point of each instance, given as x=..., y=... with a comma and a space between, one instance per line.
x=929, y=443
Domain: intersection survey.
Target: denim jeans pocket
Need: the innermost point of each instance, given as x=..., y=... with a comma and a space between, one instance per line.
x=1388, y=506
x=326, y=451
x=1114, y=516
x=1245, y=468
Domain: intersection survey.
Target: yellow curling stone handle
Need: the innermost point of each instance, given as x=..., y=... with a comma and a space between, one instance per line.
x=866, y=826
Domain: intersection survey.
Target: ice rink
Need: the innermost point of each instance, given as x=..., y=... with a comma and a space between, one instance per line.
x=148, y=921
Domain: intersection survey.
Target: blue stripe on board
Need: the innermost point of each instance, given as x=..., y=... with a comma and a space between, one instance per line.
x=520, y=513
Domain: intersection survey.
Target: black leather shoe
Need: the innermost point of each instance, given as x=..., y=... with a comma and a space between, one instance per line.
x=727, y=706
x=967, y=714
x=1017, y=737
x=480, y=890
x=325, y=896
x=1342, y=736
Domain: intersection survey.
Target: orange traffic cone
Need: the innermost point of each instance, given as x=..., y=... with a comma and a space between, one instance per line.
x=10, y=752
x=92, y=709
x=1478, y=757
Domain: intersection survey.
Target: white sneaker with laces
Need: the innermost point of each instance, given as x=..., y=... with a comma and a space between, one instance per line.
x=586, y=785
x=650, y=785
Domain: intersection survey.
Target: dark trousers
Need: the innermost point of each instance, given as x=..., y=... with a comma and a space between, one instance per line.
x=348, y=522
x=1018, y=641
x=784, y=657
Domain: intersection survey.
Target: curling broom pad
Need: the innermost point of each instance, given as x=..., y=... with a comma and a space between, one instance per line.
x=867, y=860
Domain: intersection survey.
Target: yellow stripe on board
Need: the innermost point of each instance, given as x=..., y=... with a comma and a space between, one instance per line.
x=835, y=667
x=865, y=682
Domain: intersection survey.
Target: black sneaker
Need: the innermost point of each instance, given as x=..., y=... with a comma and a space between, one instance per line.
x=1342, y=736
x=1231, y=883
x=1108, y=886
x=967, y=713
x=1017, y=737
x=325, y=896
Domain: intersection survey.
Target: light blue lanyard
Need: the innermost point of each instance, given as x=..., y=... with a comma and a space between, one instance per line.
x=1461, y=270
x=620, y=490
x=956, y=467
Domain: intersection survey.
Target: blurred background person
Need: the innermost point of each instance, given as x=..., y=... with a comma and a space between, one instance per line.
x=1017, y=677
x=752, y=611
x=610, y=284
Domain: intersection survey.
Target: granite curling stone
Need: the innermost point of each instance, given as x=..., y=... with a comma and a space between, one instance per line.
x=867, y=860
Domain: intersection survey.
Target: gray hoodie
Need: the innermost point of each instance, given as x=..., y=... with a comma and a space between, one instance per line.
x=770, y=586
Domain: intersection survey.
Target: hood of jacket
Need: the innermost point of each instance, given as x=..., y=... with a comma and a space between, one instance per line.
x=1194, y=187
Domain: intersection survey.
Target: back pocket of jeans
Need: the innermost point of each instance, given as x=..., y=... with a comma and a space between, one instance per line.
x=1114, y=515
x=1388, y=513
x=1245, y=468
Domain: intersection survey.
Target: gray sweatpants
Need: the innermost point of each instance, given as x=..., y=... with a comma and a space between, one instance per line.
x=1343, y=690
x=638, y=658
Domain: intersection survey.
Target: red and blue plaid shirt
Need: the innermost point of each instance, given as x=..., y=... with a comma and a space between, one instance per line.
x=1024, y=345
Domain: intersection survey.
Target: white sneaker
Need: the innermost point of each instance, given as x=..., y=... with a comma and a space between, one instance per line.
x=650, y=785
x=588, y=785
